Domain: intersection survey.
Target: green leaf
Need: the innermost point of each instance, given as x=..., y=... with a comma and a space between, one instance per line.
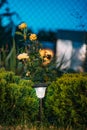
x=19, y=33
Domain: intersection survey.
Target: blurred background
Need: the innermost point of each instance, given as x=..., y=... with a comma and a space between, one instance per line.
x=46, y=15
x=50, y=20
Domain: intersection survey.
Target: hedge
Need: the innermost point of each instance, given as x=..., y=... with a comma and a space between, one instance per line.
x=64, y=105
x=66, y=101
x=18, y=102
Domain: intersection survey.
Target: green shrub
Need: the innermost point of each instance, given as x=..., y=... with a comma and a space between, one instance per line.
x=18, y=103
x=66, y=101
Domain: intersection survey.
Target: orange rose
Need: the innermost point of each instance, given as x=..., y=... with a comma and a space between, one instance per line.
x=22, y=26
x=33, y=37
x=22, y=56
x=46, y=55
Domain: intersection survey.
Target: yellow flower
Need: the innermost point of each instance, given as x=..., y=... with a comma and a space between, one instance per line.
x=22, y=26
x=46, y=55
x=33, y=37
x=46, y=61
x=41, y=52
x=22, y=56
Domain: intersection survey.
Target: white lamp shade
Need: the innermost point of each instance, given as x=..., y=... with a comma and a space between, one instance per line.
x=40, y=92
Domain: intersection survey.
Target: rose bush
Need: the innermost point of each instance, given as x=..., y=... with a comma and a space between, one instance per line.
x=38, y=63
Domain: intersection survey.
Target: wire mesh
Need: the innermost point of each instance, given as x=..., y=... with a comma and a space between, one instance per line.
x=48, y=14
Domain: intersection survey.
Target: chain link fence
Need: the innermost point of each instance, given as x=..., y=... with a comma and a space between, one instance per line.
x=42, y=17
x=47, y=15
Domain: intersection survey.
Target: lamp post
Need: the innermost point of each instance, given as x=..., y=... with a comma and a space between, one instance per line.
x=40, y=92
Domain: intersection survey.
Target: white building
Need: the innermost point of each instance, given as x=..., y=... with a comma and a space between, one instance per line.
x=71, y=49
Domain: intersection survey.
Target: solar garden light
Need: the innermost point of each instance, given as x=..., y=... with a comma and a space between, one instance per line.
x=40, y=93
